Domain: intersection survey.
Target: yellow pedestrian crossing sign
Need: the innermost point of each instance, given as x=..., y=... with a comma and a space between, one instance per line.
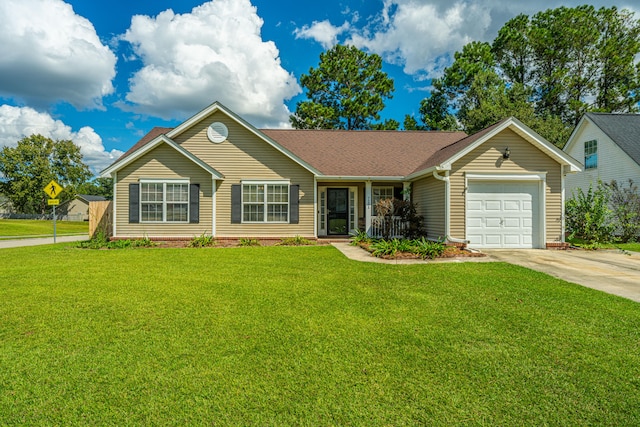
x=53, y=189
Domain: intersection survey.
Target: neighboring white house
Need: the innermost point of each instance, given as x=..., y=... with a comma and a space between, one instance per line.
x=609, y=146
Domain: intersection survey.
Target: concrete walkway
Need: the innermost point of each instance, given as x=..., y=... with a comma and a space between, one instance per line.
x=611, y=271
x=41, y=241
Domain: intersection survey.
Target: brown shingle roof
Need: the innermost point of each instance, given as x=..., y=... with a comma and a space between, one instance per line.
x=450, y=150
x=150, y=136
x=359, y=153
x=363, y=153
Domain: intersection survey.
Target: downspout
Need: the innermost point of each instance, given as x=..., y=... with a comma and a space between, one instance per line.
x=447, y=207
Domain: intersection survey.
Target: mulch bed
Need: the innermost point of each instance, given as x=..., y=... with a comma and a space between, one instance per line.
x=449, y=252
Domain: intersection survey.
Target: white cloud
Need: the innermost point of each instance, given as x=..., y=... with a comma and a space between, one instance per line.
x=419, y=35
x=323, y=32
x=50, y=54
x=216, y=52
x=19, y=122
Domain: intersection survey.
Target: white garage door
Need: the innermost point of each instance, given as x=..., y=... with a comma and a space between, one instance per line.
x=503, y=214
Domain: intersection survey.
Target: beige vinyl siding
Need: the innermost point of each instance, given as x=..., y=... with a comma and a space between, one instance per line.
x=524, y=158
x=163, y=162
x=244, y=156
x=429, y=196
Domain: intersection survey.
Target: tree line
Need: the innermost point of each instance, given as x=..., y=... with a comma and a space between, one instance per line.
x=547, y=70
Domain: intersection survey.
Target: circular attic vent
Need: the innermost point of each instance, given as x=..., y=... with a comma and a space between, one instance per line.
x=217, y=132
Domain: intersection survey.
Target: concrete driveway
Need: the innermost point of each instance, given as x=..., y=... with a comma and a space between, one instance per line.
x=611, y=271
x=41, y=241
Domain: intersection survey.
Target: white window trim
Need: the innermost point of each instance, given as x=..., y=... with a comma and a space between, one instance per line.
x=374, y=202
x=265, y=203
x=584, y=147
x=164, y=183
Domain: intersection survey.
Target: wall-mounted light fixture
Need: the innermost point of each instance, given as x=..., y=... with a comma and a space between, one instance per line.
x=506, y=153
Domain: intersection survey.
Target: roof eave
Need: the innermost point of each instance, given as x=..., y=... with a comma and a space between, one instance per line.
x=428, y=171
x=527, y=133
x=108, y=172
x=321, y=178
x=217, y=106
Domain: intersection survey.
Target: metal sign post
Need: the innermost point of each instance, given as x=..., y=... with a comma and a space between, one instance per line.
x=53, y=189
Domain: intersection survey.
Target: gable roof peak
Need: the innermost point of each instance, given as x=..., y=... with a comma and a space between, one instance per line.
x=622, y=128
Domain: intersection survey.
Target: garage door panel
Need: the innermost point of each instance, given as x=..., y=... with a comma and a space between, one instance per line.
x=475, y=222
x=512, y=239
x=493, y=205
x=474, y=205
x=493, y=222
x=512, y=205
x=512, y=223
x=502, y=214
x=492, y=239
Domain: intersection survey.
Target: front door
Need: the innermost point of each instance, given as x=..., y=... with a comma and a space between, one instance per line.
x=338, y=210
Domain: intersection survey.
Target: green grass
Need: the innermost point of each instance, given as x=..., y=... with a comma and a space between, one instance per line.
x=304, y=336
x=634, y=246
x=20, y=228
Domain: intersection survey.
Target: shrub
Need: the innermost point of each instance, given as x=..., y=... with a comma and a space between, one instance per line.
x=145, y=242
x=427, y=249
x=625, y=205
x=295, y=241
x=414, y=223
x=384, y=247
x=406, y=210
x=202, y=241
x=358, y=236
x=101, y=241
x=588, y=216
x=98, y=241
x=249, y=242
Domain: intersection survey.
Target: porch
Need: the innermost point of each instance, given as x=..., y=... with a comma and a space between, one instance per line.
x=346, y=207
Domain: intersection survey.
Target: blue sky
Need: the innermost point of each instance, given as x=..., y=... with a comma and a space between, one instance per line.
x=104, y=73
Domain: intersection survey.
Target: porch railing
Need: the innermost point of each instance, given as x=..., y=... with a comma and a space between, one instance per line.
x=378, y=223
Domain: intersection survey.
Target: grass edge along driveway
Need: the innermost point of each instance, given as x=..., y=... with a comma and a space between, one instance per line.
x=27, y=228
x=304, y=336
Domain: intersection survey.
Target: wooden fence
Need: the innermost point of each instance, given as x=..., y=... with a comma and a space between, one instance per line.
x=100, y=218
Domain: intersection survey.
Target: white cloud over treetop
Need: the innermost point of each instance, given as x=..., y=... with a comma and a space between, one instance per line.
x=417, y=35
x=19, y=122
x=216, y=52
x=323, y=32
x=50, y=54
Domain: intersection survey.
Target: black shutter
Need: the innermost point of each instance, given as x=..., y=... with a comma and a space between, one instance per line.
x=134, y=203
x=236, y=204
x=194, y=203
x=294, y=204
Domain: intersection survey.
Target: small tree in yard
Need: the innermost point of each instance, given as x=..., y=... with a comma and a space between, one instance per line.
x=625, y=205
x=406, y=210
x=588, y=216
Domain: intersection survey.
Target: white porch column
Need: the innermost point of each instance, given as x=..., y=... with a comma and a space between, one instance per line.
x=406, y=190
x=367, y=205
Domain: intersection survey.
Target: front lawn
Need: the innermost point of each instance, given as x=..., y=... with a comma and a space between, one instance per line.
x=304, y=336
x=18, y=228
